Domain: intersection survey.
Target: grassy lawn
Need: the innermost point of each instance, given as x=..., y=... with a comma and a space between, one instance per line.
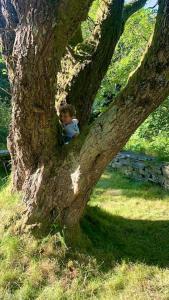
x=125, y=254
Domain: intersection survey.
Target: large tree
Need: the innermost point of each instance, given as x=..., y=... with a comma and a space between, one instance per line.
x=40, y=41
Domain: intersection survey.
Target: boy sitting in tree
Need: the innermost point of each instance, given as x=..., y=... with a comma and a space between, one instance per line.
x=69, y=122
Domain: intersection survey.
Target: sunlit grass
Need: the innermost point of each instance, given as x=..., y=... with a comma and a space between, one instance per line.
x=127, y=224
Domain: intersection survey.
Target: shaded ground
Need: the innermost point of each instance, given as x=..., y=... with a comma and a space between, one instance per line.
x=124, y=255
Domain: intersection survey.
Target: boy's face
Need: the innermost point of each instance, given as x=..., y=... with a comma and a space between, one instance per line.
x=66, y=118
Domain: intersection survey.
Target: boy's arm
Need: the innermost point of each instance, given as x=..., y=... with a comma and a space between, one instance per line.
x=76, y=128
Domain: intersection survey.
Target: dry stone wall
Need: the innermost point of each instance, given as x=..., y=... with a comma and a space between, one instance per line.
x=142, y=167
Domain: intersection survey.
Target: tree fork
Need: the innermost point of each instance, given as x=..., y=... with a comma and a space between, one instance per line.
x=89, y=71
x=81, y=169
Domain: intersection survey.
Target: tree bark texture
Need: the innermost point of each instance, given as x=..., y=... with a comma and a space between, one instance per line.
x=81, y=76
x=40, y=33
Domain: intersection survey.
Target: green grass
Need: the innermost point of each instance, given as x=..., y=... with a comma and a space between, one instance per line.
x=127, y=224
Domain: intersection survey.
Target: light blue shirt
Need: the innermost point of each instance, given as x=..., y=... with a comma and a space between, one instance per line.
x=71, y=129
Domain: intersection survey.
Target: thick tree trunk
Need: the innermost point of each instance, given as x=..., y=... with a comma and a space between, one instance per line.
x=40, y=36
x=33, y=47
x=68, y=189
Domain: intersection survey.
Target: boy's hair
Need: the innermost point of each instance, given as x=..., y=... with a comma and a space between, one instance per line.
x=67, y=108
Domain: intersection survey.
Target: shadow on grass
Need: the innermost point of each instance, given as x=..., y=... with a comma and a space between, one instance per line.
x=116, y=238
x=128, y=187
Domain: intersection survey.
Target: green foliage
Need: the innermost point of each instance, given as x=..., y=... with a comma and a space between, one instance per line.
x=127, y=257
x=152, y=136
x=131, y=47
x=4, y=83
x=89, y=24
x=156, y=123
x=129, y=52
x=4, y=104
x=4, y=123
x=157, y=146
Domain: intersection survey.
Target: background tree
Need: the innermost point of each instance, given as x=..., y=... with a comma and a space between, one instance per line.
x=57, y=180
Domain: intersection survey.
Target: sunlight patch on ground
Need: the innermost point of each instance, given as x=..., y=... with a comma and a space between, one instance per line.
x=125, y=255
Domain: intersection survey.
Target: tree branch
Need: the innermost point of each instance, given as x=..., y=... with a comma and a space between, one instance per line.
x=146, y=90
x=3, y=30
x=8, y=14
x=13, y=10
x=8, y=23
x=91, y=67
x=5, y=91
x=152, y=7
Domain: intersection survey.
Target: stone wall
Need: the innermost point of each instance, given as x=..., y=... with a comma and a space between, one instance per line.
x=142, y=167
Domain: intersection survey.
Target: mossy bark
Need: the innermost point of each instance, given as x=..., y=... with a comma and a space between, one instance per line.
x=81, y=76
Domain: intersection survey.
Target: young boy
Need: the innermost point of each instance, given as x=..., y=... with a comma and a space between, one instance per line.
x=69, y=122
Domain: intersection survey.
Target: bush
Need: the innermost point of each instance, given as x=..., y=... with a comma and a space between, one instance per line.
x=156, y=146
